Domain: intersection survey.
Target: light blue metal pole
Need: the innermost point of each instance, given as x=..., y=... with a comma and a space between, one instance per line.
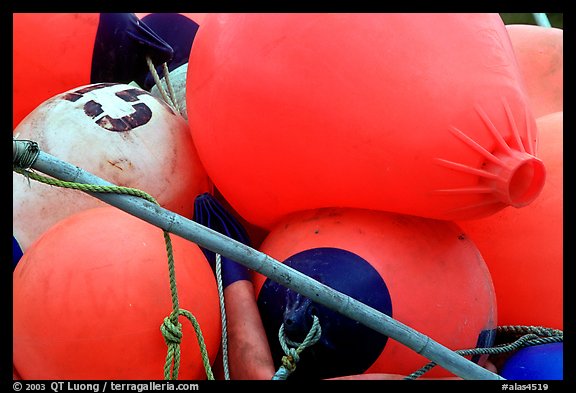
x=542, y=19
x=260, y=262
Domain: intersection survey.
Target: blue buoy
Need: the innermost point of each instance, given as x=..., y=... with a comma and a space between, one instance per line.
x=16, y=252
x=539, y=362
x=345, y=347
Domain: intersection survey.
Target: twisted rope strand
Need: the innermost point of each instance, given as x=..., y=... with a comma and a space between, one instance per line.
x=527, y=336
x=223, y=317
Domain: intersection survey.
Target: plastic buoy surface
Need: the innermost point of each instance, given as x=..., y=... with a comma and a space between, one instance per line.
x=424, y=273
x=540, y=54
x=51, y=50
x=524, y=248
x=434, y=123
x=539, y=362
x=178, y=82
x=91, y=295
x=117, y=132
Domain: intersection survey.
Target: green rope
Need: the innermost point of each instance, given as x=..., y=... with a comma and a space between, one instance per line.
x=85, y=187
x=172, y=333
x=524, y=336
x=171, y=328
x=293, y=354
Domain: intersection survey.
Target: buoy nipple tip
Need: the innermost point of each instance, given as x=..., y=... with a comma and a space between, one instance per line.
x=520, y=179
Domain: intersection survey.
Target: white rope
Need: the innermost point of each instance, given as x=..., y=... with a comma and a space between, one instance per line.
x=158, y=83
x=170, y=87
x=223, y=316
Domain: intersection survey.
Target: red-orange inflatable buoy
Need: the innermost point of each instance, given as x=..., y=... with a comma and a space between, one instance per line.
x=51, y=54
x=524, y=248
x=55, y=52
x=422, y=114
x=424, y=273
x=91, y=295
x=540, y=54
x=117, y=132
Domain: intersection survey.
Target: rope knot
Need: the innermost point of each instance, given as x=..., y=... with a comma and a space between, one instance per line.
x=172, y=332
x=293, y=354
x=24, y=154
x=289, y=362
x=290, y=359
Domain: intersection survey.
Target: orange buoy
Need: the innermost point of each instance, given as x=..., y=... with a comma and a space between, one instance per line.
x=424, y=273
x=55, y=52
x=540, y=54
x=524, y=248
x=134, y=139
x=434, y=122
x=91, y=295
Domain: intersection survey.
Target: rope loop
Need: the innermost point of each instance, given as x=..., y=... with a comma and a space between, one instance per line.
x=293, y=354
x=522, y=336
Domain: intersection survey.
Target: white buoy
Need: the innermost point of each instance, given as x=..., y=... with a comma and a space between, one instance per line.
x=120, y=133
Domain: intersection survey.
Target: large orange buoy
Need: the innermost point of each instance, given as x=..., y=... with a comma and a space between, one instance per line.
x=91, y=295
x=524, y=248
x=540, y=54
x=55, y=52
x=424, y=273
x=422, y=114
x=117, y=132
